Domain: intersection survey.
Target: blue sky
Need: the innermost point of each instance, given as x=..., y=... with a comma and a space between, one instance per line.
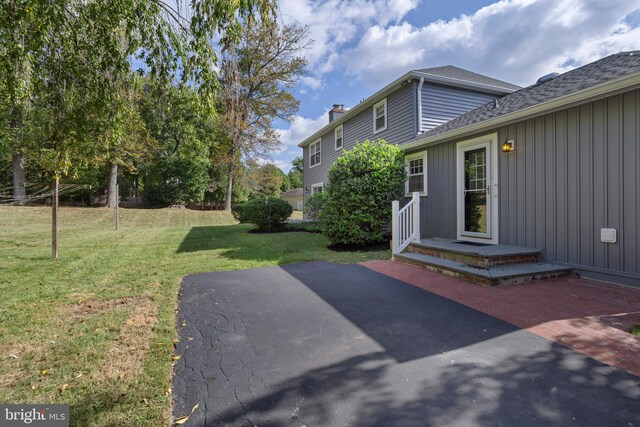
x=362, y=45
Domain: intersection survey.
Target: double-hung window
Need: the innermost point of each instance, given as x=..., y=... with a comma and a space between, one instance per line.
x=317, y=188
x=314, y=154
x=416, y=173
x=380, y=116
x=339, y=134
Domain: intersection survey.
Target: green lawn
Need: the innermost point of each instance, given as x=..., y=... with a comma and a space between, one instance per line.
x=95, y=328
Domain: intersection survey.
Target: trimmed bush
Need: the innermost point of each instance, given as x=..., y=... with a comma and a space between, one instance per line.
x=362, y=184
x=238, y=213
x=267, y=213
x=314, y=206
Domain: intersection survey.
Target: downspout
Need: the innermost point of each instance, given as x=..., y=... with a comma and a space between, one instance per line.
x=420, y=105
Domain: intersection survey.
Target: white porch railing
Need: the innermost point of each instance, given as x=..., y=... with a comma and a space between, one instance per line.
x=405, y=224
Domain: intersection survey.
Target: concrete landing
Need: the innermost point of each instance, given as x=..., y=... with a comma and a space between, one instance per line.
x=512, y=274
x=467, y=248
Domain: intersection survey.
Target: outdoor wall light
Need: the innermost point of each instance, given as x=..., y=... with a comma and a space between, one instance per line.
x=306, y=190
x=508, y=146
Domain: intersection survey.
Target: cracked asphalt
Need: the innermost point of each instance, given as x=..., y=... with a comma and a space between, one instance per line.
x=323, y=344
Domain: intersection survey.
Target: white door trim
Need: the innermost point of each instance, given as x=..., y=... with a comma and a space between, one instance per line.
x=490, y=141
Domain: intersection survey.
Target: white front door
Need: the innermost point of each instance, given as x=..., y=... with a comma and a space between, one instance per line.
x=477, y=179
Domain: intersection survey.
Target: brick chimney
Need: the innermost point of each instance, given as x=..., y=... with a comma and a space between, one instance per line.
x=335, y=112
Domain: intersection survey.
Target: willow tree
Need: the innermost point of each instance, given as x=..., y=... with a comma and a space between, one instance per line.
x=172, y=39
x=258, y=77
x=66, y=55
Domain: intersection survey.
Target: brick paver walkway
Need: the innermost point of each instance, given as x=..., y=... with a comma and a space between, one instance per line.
x=588, y=316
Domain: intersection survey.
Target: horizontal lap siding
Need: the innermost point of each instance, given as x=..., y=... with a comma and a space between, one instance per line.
x=572, y=173
x=443, y=103
x=400, y=121
x=400, y=127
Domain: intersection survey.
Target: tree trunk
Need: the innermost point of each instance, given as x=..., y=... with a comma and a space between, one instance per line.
x=19, y=190
x=228, y=197
x=111, y=188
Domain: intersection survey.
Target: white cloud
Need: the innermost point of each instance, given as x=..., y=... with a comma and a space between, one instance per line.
x=300, y=129
x=335, y=23
x=515, y=40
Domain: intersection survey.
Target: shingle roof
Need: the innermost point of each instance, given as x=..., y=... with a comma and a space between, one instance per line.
x=593, y=74
x=447, y=75
x=452, y=72
x=294, y=192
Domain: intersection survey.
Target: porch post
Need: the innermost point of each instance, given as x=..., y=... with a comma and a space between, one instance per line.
x=395, y=241
x=416, y=215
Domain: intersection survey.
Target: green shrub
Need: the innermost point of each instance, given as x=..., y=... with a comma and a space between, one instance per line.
x=314, y=206
x=362, y=184
x=238, y=213
x=267, y=213
x=176, y=180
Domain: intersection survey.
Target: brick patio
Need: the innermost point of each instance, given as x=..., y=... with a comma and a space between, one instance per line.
x=588, y=316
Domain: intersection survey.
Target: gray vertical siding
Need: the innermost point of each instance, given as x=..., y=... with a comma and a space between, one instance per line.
x=442, y=103
x=572, y=173
x=400, y=127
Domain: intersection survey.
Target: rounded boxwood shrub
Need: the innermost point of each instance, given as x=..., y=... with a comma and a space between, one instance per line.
x=314, y=206
x=362, y=184
x=267, y=213
x=238, y=213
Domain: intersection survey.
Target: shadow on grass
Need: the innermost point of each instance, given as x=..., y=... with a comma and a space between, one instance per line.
x=206, y=238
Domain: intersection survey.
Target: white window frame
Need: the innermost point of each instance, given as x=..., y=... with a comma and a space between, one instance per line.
x=386, y=115
x=316, y=185
x=313, y=144
x=335, y=135
x=415, y=156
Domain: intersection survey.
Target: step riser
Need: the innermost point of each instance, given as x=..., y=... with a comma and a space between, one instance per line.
x=516, y=280
x=474, y=260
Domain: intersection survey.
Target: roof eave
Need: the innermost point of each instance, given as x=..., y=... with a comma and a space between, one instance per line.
x=392, y=86
x=622, y=84
x=450, y=81
x=359, y=107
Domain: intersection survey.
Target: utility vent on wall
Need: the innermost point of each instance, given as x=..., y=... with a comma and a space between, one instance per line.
x=608, y=235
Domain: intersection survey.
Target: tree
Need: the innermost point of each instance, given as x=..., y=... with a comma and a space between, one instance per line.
x=125, y=139
x=66, y=55
x=186, y=136
x=296, y=173
x=20, y=36
x=257, y=79
x=362, y=184
x=264, y=180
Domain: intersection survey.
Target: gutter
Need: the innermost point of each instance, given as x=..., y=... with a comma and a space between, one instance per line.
x=368, y=102
x=612, y=87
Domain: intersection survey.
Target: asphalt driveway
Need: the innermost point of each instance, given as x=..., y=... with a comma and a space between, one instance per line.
x=322, y=344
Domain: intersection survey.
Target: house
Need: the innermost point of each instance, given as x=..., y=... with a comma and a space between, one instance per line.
x=554, y=166
x=542, y=181
x=294, y=198
x=416, y=102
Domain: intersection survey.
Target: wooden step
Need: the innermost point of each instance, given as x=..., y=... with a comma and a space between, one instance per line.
x=475, y=255
x=510, y=274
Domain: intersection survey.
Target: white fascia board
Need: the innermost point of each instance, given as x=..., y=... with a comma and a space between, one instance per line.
x=450, y=81
x=368, y=102
x=622, y=84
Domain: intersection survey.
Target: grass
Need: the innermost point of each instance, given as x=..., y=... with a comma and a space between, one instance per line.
x=95, y=328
